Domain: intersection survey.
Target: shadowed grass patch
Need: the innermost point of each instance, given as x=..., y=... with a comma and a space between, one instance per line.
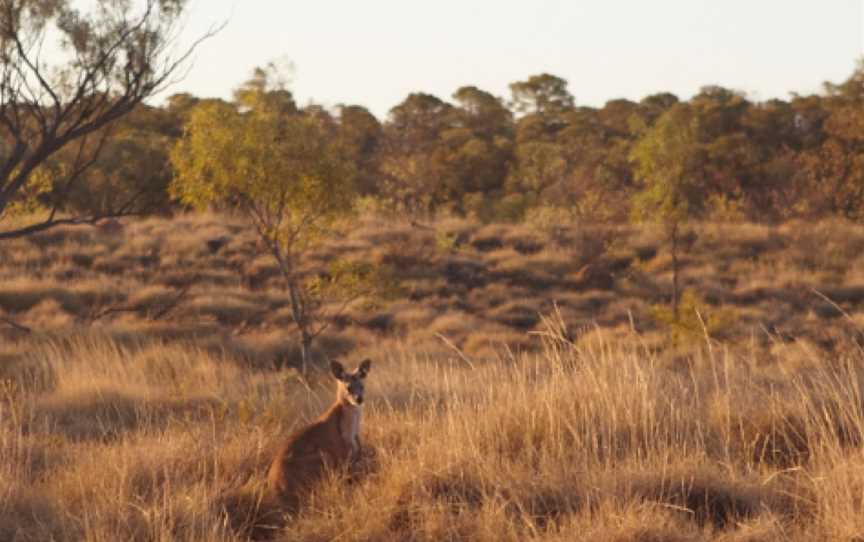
x=27, y=515
x=106, y=414
x=700, y=495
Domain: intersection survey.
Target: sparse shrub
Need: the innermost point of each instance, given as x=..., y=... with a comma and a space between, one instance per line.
x=551, y=221
x=446, y=242
x=695, y=320
x=722, y=208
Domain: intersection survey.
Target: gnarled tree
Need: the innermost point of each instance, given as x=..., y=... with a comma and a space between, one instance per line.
x=66, y=74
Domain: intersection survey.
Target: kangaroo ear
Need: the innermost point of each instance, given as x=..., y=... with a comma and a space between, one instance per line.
x=337, y=370
x=364, y=367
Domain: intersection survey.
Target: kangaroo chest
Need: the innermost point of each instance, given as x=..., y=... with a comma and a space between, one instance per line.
x=349, y=426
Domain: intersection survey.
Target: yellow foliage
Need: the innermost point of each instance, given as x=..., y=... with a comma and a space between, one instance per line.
x=275, y=165
x=695, y=318
x=27, y=200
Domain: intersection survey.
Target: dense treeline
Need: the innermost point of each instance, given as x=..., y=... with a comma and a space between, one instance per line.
x=499, y=159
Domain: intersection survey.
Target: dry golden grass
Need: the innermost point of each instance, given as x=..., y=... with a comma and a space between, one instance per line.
x=144, y=441
x=583, y=425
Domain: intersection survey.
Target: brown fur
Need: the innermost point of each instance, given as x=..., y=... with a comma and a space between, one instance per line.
x=330, y=442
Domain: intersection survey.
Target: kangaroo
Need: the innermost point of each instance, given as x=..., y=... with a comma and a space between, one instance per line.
x=331, y=441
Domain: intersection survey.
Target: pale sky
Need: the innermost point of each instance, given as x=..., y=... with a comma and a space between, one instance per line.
x=375, y=52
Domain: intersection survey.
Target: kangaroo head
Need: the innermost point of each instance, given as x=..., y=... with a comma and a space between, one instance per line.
x=349, y=385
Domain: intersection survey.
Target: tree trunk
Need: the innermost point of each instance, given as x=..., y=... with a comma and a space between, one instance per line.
x=298, y=313
x=305, y=350
x=298, y=309
x=675, y=291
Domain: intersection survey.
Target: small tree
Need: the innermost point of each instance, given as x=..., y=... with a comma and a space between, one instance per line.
x=543, y=93
x=280, y=169
x=668, y=161
x=65, y=75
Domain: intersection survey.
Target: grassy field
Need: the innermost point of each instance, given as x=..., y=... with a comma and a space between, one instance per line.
x=527, y=384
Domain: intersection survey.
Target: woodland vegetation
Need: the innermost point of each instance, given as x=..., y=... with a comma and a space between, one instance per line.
x=503, y=159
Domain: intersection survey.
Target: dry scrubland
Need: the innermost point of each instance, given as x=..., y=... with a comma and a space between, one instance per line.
x=123, y=417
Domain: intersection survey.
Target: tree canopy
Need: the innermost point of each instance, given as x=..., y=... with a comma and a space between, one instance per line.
x=481, y=154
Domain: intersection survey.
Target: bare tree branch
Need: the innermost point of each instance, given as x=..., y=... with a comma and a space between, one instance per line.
x=71, y=221
x=117, y=57
x=163, y=311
